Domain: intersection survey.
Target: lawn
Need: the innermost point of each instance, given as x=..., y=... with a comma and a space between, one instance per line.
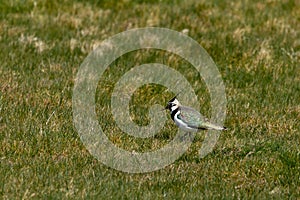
x=256, y=47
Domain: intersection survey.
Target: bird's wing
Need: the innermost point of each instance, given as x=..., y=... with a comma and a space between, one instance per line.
x=192, y=117
x=195, y=120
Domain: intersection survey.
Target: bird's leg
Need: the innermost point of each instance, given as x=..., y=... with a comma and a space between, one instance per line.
x=190, y=136
x=182, y=137
x=186, y=136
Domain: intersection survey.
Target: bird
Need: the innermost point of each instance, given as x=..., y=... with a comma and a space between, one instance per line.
x=189, y=119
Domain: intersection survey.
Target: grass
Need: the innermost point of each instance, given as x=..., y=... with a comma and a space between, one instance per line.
x=256, y=47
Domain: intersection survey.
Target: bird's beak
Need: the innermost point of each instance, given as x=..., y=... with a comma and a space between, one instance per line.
x=168, y=106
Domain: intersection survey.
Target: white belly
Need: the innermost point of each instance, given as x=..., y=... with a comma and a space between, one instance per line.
x=184, y=126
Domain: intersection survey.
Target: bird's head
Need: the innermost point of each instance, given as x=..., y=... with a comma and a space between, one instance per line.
x=173, y=104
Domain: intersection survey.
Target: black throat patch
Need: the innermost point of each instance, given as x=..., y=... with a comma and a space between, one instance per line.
x=173, y=113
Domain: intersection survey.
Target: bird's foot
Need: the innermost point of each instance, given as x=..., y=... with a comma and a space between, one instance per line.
x=187, y=137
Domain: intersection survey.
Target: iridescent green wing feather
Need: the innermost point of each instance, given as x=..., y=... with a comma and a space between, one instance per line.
x=195, y=120
x=192, y=117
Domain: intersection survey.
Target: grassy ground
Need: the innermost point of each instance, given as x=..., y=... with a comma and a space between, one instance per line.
x=256, y=47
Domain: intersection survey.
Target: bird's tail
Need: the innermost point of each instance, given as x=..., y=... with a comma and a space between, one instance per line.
x=211, y=126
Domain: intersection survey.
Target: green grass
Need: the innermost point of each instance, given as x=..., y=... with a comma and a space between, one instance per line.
x=256, y=47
